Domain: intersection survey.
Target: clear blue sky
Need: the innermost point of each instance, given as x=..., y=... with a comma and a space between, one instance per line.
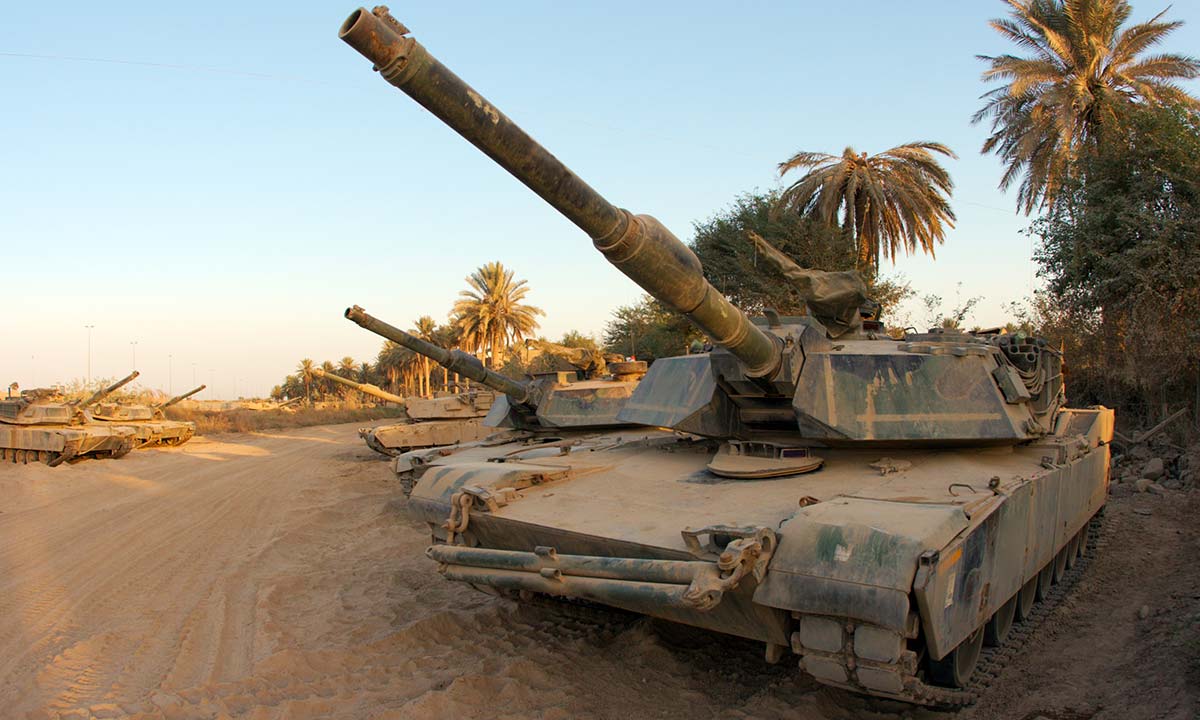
x=223, y=206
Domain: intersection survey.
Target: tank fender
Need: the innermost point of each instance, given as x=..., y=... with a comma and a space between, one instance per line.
x=856, y=557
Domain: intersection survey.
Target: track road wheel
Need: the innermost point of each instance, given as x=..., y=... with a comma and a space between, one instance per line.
x=995, y=632
x=956, y=668
x=1072, y=552
x=1045, y=579
x=1026, y=598
x=1060, y=564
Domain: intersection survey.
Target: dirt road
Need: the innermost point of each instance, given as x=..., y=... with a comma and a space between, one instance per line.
x=276, y=576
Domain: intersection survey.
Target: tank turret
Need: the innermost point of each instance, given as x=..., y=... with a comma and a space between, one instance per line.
x=366, y=388
x=592, y=363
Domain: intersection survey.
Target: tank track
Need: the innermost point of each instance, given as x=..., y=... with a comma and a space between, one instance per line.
x=993, y=660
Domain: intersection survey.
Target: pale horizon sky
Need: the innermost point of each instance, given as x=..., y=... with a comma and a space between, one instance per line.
x=216, y=182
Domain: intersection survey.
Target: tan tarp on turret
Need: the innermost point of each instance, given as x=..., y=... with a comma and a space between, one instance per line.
x=834, y=298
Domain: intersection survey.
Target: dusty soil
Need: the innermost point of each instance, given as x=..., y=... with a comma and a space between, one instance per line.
x=276, y=576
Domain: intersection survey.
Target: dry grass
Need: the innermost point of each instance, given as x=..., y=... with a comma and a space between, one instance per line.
x=235, y=421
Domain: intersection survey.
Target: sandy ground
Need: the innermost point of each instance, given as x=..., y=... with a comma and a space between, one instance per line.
x=276, y=576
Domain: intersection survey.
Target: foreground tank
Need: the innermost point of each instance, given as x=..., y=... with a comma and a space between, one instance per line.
x=40, y=426
x=882, y=509
x=149, y=423
x=554, y=410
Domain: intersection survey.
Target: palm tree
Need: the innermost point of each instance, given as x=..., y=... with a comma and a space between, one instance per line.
x=305, y=370
x=393, y=363
x=346, y=367
x=491, y=314
x=426, y=329
x=327, y=386
x=896, y=199
x=1081, y=77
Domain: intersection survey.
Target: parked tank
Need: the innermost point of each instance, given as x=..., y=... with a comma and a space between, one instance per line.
x=552, y=410
x=433, y=421
x=591, y=364
x=881, y=508
x=39, y=425
x=443, y=420
x=149, y=423
x=288, y=404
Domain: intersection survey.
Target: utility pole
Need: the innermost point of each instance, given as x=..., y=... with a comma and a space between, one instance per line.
x=89, y=363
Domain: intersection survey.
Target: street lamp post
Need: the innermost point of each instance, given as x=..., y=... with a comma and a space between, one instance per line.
x=89, y=357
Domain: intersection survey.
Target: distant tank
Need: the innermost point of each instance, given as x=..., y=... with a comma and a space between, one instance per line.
x=39, y=425
x=287, y=404
x=149, y=423
x=444, y=420
x=554, y=410
x=431, y=421
x=883, y=509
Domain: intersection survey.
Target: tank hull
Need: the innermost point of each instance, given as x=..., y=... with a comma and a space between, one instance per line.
x=161, y=432
x=872, y=564
x=59, y=443
x=394, y=439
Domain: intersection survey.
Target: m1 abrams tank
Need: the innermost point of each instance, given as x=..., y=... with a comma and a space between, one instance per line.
x=551, y=413
x=881, y=508
x=446, y=420
x=149, y=423
x=38, y=425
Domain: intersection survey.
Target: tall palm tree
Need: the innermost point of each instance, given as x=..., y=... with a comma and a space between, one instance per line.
x=898, y=199
x=491, y=313
x=426, y=329
x=305, y=369
x=346, y=367
x=1082, y=74
x=393, y=363
x=327, y=386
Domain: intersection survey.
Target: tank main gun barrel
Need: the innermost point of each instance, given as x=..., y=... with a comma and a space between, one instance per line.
x=638, y=245
x=179, y=398
x=105, y=392
x=367, y=388
x=456, y=361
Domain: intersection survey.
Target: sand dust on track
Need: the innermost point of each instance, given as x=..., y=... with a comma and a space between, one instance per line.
x=277, y=576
